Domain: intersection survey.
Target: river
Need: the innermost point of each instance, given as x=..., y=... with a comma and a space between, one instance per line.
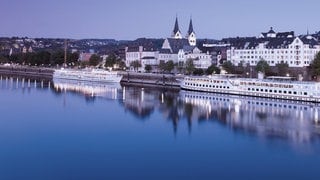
x=77, y=130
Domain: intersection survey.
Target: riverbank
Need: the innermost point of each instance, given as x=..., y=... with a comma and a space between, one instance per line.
x=129, y=78
x=28, y=72
x=167, y=80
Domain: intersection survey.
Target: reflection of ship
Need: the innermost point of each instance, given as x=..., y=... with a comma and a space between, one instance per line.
x=88, y=75
x=269, y=118
x=108, y=90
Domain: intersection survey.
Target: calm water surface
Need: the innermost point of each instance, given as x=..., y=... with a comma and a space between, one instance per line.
x=72, y=130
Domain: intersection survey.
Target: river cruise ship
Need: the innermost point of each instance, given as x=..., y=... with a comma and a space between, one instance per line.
x=93, y=75
x=270, y=87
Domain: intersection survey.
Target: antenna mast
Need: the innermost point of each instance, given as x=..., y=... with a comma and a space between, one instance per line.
x=65, y=52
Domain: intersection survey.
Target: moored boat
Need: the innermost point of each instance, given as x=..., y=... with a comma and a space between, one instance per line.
x=272, y=87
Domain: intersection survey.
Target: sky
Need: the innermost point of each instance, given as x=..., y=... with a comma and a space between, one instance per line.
x=132, y=19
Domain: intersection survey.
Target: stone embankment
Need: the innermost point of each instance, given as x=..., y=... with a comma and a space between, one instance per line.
x=134, y=78
x=164, y=80
x=26, y=71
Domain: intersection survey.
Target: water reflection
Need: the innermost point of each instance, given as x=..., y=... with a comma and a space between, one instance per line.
x=88, y=89
x=280, y=119
x=9, y=82
x=291, y=120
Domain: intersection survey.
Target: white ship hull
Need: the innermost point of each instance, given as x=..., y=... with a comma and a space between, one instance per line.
x=284, y=89
x=100, y=76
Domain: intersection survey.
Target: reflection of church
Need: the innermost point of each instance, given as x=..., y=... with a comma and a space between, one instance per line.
x=139, y=102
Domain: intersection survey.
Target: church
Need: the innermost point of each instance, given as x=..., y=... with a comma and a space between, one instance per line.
x=177, y=48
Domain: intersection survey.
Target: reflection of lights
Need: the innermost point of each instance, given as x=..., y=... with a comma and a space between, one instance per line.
x=142, y=94
x=109, y=90
x=316, y=118
x=271, y=118
x=124, y=93
x=162, y=98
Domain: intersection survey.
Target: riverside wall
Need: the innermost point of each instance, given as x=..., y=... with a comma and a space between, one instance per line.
x=129, y=78
x=28, y=72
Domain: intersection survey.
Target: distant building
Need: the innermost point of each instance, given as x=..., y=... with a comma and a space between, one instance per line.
x=85, y=56
x=275, y=48
x=145, y=55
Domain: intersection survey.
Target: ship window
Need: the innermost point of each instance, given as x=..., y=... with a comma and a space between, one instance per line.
x=224, y=87
x=228, y=87
x=220, y=86
x=266, y=90
x=305, y=93
x=270, y=90
x=249, y=89
x=294, y=92
x=285, y=92
x=275, y=91
x=290, y=92
x=261, y=90
x=280, y=91
x=257, y=89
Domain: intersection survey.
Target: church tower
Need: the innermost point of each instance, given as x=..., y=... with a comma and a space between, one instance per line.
x=176, y=34
x=191, y=35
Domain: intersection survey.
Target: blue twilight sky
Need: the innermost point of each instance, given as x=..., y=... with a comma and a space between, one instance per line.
x=131, y=19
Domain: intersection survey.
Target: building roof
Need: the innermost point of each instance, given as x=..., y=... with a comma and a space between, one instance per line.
x=271, y=31
x=177, y=44
x=308, y=39
x=165, y=51
x=276, y=43
x=242, y=42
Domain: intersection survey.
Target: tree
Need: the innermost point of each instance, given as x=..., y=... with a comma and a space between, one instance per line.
x=282, y=69
x=262, y=66
x=3, y=59
x=189, y=66
x=94, y=60
x=121, y=64
x=57, y=57
x=315, y=66
x=169, y=66
x=111, y=60
x=135, y=64
x=213, y=70
x=148, y=68
x=73, y=58
x=198, y=72
x=229, y=67
x=162, y=66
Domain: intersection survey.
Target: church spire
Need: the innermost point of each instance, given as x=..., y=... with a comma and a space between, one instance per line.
x=190, y=27
x=176, y=31
x=191, y=34
x=176, y=26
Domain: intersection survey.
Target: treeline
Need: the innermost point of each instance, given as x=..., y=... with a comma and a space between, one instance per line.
x=41, y=58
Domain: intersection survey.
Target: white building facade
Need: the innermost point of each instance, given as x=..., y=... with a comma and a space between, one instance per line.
x=274, y=48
